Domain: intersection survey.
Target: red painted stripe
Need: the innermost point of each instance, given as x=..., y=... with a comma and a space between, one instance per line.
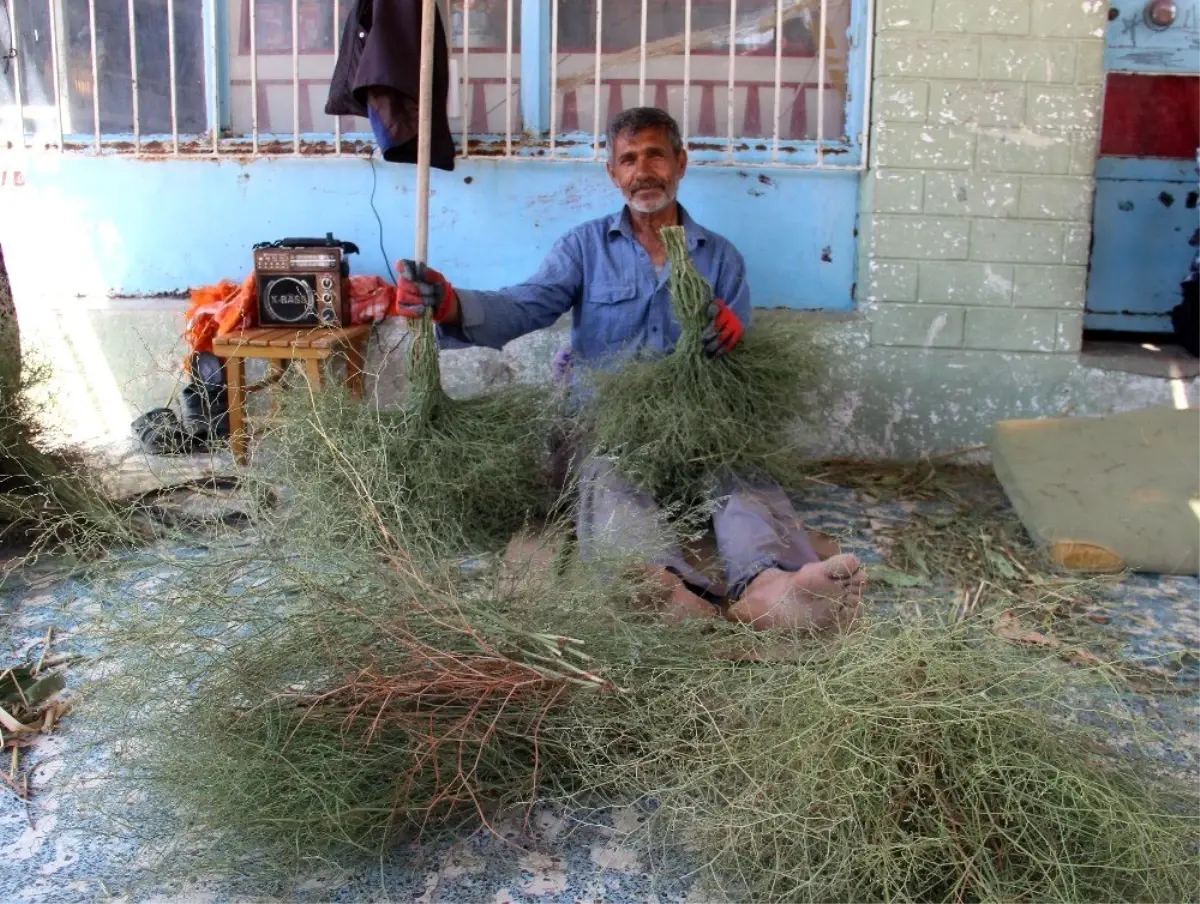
x=752, y=122
x=479, y=110
x=660, y=95
x=306, y=117
x=708, y=113
x=1151, y=116
x=264, y=108
x=615, y=104
x=570, y=113
x=799, y=116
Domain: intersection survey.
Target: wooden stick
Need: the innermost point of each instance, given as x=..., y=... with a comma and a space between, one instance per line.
x=424, y=121
x=21, y=790
x=10, y=724
x=45, y=649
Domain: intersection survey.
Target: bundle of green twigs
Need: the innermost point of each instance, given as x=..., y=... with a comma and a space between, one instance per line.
x=346, y=681
x=678, y=422
x=905, y=762
x=49, y=497
x=353, y=709
x=307, y=700
x=445, y=475
x=349, y=701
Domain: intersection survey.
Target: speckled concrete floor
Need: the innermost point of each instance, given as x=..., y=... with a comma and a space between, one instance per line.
x=52, y=851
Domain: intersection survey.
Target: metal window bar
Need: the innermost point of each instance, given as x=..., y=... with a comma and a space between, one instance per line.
x=508, y=78
x=466, y=76
x=133, y=76
x=57, y=76
x=687, y=69
x=778, y=111
x=14, y=37
x=171, y=75
x=95, y=71
x=337, y=43
x=724, y=150
x=553, y=76
x=731, y=100
x=822, y=79
x=597, y=79
x=642, y=60
x=295, y=76
x=214, y=98
x=254, y=74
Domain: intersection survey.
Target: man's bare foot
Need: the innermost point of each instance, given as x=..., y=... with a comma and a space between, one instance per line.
x=671, y=597
x=819, y=597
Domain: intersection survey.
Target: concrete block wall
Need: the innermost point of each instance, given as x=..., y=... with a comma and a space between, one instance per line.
x=977, y=208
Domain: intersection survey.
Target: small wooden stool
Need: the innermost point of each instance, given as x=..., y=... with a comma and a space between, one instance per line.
x=280, y=347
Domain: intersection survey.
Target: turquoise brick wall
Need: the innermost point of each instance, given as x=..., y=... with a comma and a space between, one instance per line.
x=977, y=207
x=975, y=226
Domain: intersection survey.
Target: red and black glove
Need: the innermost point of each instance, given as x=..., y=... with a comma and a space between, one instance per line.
x=422, y=289
x=724, y=332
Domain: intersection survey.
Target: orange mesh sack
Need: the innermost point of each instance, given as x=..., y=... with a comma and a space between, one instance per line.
x=217, y=310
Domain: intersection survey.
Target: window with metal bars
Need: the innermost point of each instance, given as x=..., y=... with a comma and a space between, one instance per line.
x=779, y=82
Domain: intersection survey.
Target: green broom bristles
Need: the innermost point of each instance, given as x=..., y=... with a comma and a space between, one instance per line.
x=351, y=707
x=451, y=475
x=340, y=685
x=49, y=498
x=902, y=763
x=305, y=701
x=676, y=423
x=297, y=710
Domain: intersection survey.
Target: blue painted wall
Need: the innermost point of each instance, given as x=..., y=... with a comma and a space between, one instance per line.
x=80, y=225
x=1144, y=242
x=1145, y=217
x=1133, y=46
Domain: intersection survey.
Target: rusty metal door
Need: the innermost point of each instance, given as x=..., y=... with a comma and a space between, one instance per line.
x=1146, y=221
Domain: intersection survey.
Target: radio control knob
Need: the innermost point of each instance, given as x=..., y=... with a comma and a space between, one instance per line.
x=327, y=283
x=327, y=297
x=327, y=314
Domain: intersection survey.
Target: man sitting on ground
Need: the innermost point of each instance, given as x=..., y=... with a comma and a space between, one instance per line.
x=611, y=274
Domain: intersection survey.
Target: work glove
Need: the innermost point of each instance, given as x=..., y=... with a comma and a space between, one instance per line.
x=422, y=289
x=724, y=330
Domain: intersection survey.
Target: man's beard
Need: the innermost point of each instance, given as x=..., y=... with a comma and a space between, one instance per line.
x=666, y=196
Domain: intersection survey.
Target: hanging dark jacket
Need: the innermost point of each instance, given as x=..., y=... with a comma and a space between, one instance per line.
x=378, y=74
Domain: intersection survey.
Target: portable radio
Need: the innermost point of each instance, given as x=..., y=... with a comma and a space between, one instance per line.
x=303, y=281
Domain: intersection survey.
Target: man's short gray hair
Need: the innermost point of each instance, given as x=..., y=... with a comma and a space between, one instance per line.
x=637, y=119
